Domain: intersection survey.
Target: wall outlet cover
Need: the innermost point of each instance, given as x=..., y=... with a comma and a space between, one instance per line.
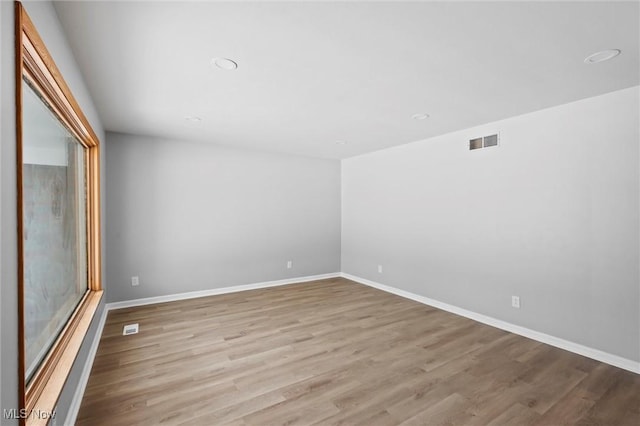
x=515, y=301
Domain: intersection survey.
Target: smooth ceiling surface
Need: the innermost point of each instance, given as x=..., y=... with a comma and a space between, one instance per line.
x=313, y=73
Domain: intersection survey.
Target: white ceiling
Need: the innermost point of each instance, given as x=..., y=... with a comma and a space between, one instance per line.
x=312, y=73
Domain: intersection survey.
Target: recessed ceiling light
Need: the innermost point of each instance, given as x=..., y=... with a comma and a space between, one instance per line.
x=420, y=116
x=193, y=119
x=341, y=142
x=602, y=56
x=224, y=63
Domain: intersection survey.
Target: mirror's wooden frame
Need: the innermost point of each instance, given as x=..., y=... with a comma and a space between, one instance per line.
x=34, y=62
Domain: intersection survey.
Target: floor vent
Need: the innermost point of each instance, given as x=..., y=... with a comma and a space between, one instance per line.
x=130, y=329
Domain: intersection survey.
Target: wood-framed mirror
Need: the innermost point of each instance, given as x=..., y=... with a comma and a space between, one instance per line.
x=59, y=269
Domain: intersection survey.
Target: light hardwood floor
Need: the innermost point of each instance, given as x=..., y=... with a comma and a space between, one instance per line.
x=337, y=352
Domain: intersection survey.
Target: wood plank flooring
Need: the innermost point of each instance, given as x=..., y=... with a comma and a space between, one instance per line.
x=335, y=352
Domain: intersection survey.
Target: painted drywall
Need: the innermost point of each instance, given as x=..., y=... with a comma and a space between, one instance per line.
x=2, y=139
x=8, y=265
x=550, y=215
x=195, y=216
x=45, y=19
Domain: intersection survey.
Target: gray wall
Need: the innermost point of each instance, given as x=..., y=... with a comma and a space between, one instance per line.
x=8, y=268
x=3, y=45
x=195, y=216
x=46, y=21
x=551, y=215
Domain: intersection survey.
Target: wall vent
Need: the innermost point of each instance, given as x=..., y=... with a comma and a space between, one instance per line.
x=483, y=142
x=130, y=329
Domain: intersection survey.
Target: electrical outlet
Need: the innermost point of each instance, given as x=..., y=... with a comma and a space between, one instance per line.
x=515, y=302
x=135, y=281
x=379, y=269
x=289, y=264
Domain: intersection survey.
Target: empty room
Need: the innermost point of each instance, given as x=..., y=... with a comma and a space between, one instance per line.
x=320, y=213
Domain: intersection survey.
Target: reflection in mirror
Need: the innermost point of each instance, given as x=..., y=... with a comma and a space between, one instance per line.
x=54, y=226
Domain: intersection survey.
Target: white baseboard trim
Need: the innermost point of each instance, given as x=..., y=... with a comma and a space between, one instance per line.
x=577, y=348
x=216, y=291
x=74, y=408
